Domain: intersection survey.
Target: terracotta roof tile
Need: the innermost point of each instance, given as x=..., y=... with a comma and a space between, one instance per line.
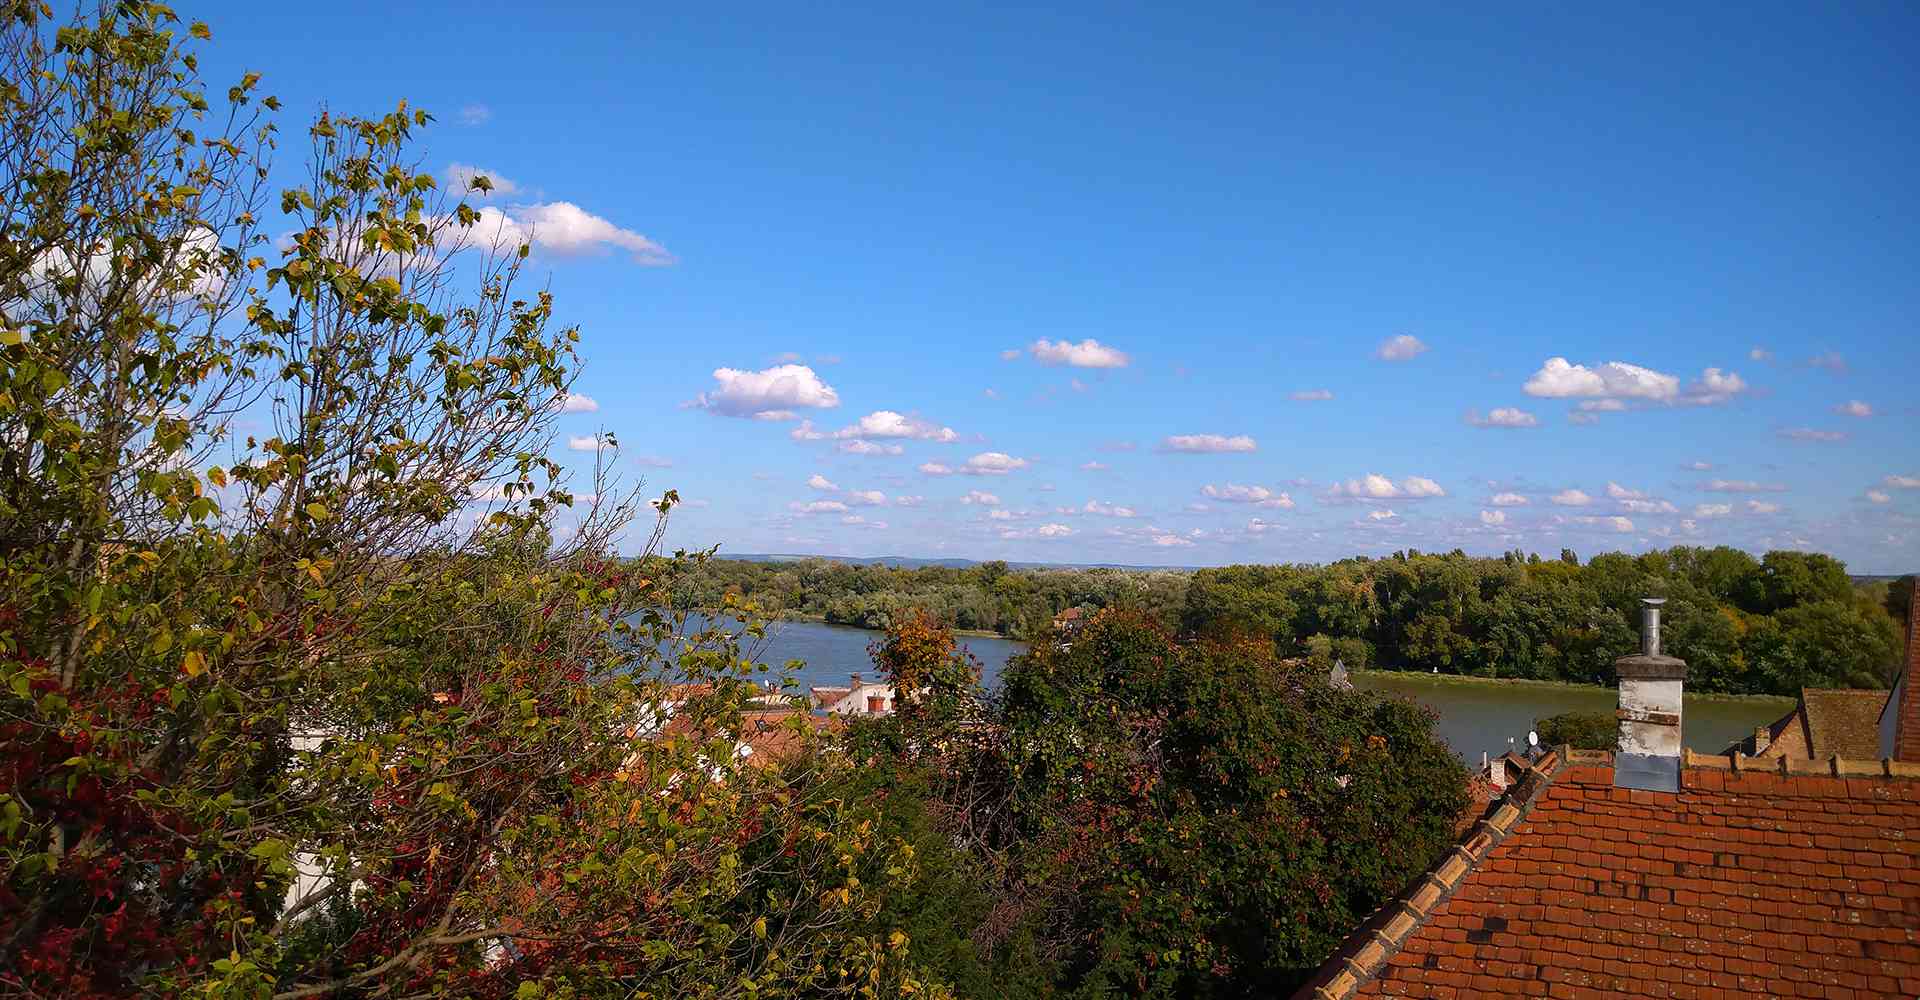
x=1746, y=881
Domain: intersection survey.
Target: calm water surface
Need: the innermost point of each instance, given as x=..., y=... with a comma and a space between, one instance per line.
x=1473, y=717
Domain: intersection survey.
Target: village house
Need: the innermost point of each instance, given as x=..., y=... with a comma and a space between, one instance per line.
x=1826, y=723
x=1655, y=871
x=859, y=697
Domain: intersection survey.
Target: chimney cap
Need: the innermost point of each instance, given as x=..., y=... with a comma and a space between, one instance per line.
x=1653, y=602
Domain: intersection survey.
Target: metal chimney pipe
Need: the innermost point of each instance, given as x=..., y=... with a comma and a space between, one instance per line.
x=1650, y=625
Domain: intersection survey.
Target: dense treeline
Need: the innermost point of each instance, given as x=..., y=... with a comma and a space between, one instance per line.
x=1746, y=625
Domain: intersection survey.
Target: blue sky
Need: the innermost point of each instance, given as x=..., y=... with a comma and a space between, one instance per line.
x=1112, y=246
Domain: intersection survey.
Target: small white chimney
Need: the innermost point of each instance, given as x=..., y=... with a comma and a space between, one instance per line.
x=1651, y=685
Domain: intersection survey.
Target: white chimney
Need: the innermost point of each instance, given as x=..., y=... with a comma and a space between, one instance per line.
x=1651, y=685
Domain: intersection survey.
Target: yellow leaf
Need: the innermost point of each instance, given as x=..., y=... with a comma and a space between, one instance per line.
x=760, y=928
x=217, y=476
x=193, y=663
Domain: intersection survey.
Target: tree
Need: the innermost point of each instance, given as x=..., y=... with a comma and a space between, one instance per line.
x=322, y=707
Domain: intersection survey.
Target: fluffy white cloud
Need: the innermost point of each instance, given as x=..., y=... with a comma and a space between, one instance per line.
x=1879, y=496
x=989, y=463
x=1712, y=387
x=1088, y=353
x=1619, y=524
x=1712, y=509
x=1619, y=492
x=564, y=229
x=1760, y=354
x=1508, y=500
x=1381, y=515
x=1493, y=518
x=460, y=181
x=1741, y=486
x=1571, y=498
x=999, y=514
x=860, y=521
x=1209, y=443
x=818, y=507
x=866, y=498
x=1104, y=509
x=1560, y=379
x=1505, y=416
x=1602, y=405
x=982, y=498
x=857, y=446
x=1762, y=507
x=1052, y=531
x=576, y=403
x=591, y=442
x=909, y=501
x=936, y=469
x=1811, y=436
x=1854, y=408
x=1257, y=495
x=889, y=424
x=820, y=482
x=1374, y=486
x=772, y=394
x=1313, y=395
x=1636, y=506
x=1404, y=347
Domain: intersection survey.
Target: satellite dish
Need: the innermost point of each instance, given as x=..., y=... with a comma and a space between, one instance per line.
x=1533, y=740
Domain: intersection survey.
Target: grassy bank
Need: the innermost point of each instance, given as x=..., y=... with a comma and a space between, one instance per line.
x=1466, y=680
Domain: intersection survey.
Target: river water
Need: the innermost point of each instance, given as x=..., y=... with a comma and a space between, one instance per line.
x=1473, y=716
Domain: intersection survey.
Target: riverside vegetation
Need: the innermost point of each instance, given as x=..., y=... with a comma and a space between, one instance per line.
x=303, y=694
x=1770, y=625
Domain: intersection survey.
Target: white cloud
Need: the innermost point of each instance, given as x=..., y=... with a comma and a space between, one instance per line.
x=909, y=501
x=1854, y=408
x=1762, y=507
x=1508, y=500
x=1760, y=354
x=1712, y=509
x=1619, y=524
x=1088, y=353
x=564, y=229
x=1903, y=482
x=999, y=514
x=935, y=469
x=1830, y=361
x=1879, y=496
x=475, y=114
x=860, y=521
x=818, y=507
x=1209, y=443
x=460, y=181
x=771, y=394
x=591, y=442
x=1493, y=518
x=1635, y=506
x=1811, y=436
x=1374, y=486
x=856, y=446
x=1053, y=531
x=1093, y=466
x=1571, y=498
x=1313, y=395
x=820, y=482
x=1560, y=379
x=1009, y=355
x=1698, y=466
x=576, y=403
x=866, y=498
x=990, y=392
x=1105, y=510
x=982, y=498
x=1404, y=347
x=1505, y=416
x=1257, y=495
x=1619, y=492
x=1713, y=387
x=989, y=463
x=890, y=424
x=1381, y=515
x=1741, y=486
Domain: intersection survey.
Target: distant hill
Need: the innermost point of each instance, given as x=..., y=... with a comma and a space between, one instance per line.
x=911, y=562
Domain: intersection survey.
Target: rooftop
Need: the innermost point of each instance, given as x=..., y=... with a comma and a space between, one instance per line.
x=1799, y=879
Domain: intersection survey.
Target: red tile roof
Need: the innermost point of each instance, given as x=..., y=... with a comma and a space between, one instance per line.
x=1802, y=880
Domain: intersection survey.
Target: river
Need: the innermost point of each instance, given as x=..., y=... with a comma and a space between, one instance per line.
x=1474, y=716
